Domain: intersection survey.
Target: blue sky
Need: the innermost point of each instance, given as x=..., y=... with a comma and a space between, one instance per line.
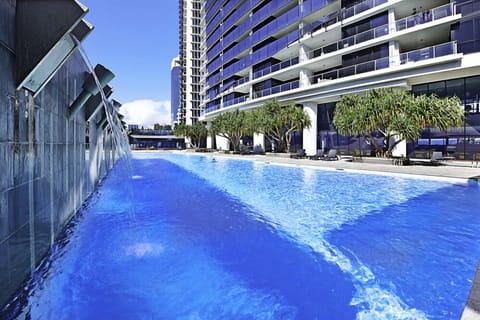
x=136, y=40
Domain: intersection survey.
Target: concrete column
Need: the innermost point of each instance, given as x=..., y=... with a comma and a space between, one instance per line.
x=394, y=53
x=391, y=21
x=310, y=134
x=305, y=74
x=393, y=46
x=400, y=149
x=250, y=77
x=209, y=137
x=305, y=78
x=259, y=140
x=209, y=142
x=222, y=143
x=303, y=53
x=188, y=143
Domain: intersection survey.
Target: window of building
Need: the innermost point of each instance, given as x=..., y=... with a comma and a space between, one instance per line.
x=456, y=87
x=438, y=88
x=472, y=88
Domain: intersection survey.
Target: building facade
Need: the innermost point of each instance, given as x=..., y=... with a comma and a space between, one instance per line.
x=312, y=52
x=175, y=89
x=190, y=60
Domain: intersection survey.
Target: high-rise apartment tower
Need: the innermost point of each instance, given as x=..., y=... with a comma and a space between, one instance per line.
x=313, y=52
x=190, y=59
x=175, y=89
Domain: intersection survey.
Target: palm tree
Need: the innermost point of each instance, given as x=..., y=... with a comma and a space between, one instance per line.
x=396, y=114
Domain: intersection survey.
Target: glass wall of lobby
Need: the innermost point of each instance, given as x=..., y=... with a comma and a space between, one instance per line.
x=463, y=143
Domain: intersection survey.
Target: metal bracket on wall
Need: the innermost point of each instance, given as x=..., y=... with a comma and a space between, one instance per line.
x=47, y=32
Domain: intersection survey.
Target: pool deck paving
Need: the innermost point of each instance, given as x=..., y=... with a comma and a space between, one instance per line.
x=464, y=170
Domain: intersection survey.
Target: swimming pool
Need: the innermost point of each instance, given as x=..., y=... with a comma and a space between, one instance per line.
x=215, y=238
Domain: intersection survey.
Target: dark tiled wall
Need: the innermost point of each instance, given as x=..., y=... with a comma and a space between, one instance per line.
x=46, y=170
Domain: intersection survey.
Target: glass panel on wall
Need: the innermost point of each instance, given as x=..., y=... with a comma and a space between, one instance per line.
x=456, y=87
x=472, y=89
x=420, y=89
x=438, y=88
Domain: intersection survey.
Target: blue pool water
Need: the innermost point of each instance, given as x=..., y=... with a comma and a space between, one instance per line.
x=193, y=237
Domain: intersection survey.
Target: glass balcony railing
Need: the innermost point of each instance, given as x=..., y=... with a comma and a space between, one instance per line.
x=276, y=89
x=214, y=64
x=228, y=7
x=268, y=10
x=211, y=11
x=324, y=22
x=240, y=12
x=236, y=33
x=270, y=49
x=350, y=41
x=309, y=6
x=408, y=22
x=231, y=102
x=286, y=19
x=383, y=63
x=361, y=7
x=212, y=108
x=440, y=50
x=214, y=36
x=212, y=52
x=275, y=67
x=213, y=24
x=378, y=64
x=424, y=17
x=241, y=81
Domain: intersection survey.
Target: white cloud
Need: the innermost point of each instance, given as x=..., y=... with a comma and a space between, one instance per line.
x=146, y=112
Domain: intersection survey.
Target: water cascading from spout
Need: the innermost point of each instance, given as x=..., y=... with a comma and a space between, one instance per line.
x=118, y=132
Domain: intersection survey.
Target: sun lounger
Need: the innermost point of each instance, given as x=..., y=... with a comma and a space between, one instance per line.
x=299, y=155
x=318, y=156
x=435, y=159
x=331, y=156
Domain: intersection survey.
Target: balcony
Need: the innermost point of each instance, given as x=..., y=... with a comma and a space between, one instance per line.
x=350, y=41
x=277, y=89
x=275, y=67
x=374, y=65
x=429, y=53
x=403, y=24
x=232, y=102
x=212, y=108
x=447, y=10
x=423, y=54
x=361, y=7
x=310, y=6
